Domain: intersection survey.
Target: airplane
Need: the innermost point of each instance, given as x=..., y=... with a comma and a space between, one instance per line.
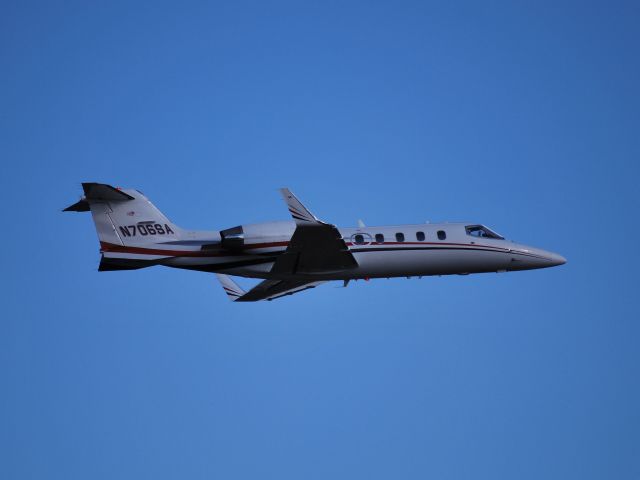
x=294, y=255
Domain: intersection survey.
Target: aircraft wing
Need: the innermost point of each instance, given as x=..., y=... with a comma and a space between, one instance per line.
x=315, y=246
x=265, y=290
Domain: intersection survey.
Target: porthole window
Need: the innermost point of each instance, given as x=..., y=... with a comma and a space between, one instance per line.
x=442, y=235
x=360, y=239
x=399, y=237
x=379, y=238
x=420, y=236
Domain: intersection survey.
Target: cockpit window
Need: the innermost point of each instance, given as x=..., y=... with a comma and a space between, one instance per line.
x=480, y=231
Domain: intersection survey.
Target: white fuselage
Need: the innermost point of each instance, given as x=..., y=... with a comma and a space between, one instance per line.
x=386, y=251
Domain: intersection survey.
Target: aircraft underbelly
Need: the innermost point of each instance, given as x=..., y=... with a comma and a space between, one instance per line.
x=429, y=262
x=370, y=264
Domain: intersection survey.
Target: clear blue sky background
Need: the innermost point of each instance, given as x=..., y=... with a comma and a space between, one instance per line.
x=524, y=117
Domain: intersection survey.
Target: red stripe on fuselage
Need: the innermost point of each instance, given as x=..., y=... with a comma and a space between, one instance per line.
x=112, y=247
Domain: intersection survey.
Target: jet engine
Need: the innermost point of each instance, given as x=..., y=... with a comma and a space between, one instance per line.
x=238, y=238
x=232, y=238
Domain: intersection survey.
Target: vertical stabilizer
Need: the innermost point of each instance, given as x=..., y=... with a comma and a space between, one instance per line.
x=124, y=218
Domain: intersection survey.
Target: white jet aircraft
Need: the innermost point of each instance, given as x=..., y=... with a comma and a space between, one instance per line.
x=294, y=255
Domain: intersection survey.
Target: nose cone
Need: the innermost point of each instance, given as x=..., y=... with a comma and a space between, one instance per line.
x=526, y=258
x=555, y=259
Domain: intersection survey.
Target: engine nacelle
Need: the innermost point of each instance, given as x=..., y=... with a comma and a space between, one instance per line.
x=232, y=238
x=237, y=238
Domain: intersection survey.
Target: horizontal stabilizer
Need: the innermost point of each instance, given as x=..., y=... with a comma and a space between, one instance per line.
x=104, y=193
x=79, y=206
x=97, y=192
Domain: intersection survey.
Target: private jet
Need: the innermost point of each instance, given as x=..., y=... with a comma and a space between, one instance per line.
x=298, y=254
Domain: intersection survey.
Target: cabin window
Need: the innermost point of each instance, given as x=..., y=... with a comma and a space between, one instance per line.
x=379, y=238
x=442, y=235
x=399, y=237
x=360, y=239
x=420, y=236
x=480, y=231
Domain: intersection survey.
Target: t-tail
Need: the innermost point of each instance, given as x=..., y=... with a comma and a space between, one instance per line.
x=126, y=223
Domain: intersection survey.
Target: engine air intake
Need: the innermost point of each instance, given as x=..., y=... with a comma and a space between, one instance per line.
x=232, y=238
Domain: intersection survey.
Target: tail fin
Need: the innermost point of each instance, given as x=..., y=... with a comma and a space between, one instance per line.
x=124, y=218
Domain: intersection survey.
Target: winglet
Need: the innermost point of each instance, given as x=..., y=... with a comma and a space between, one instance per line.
x=298, y=211
x=230, y=287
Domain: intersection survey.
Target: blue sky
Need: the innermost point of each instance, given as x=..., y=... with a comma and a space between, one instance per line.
x=521, y=116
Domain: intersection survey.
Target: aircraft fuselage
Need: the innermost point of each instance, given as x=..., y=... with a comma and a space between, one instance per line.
x=385, y=251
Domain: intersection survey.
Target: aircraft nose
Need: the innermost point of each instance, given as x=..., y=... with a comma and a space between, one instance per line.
x=556, y=259
x=526, y=258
